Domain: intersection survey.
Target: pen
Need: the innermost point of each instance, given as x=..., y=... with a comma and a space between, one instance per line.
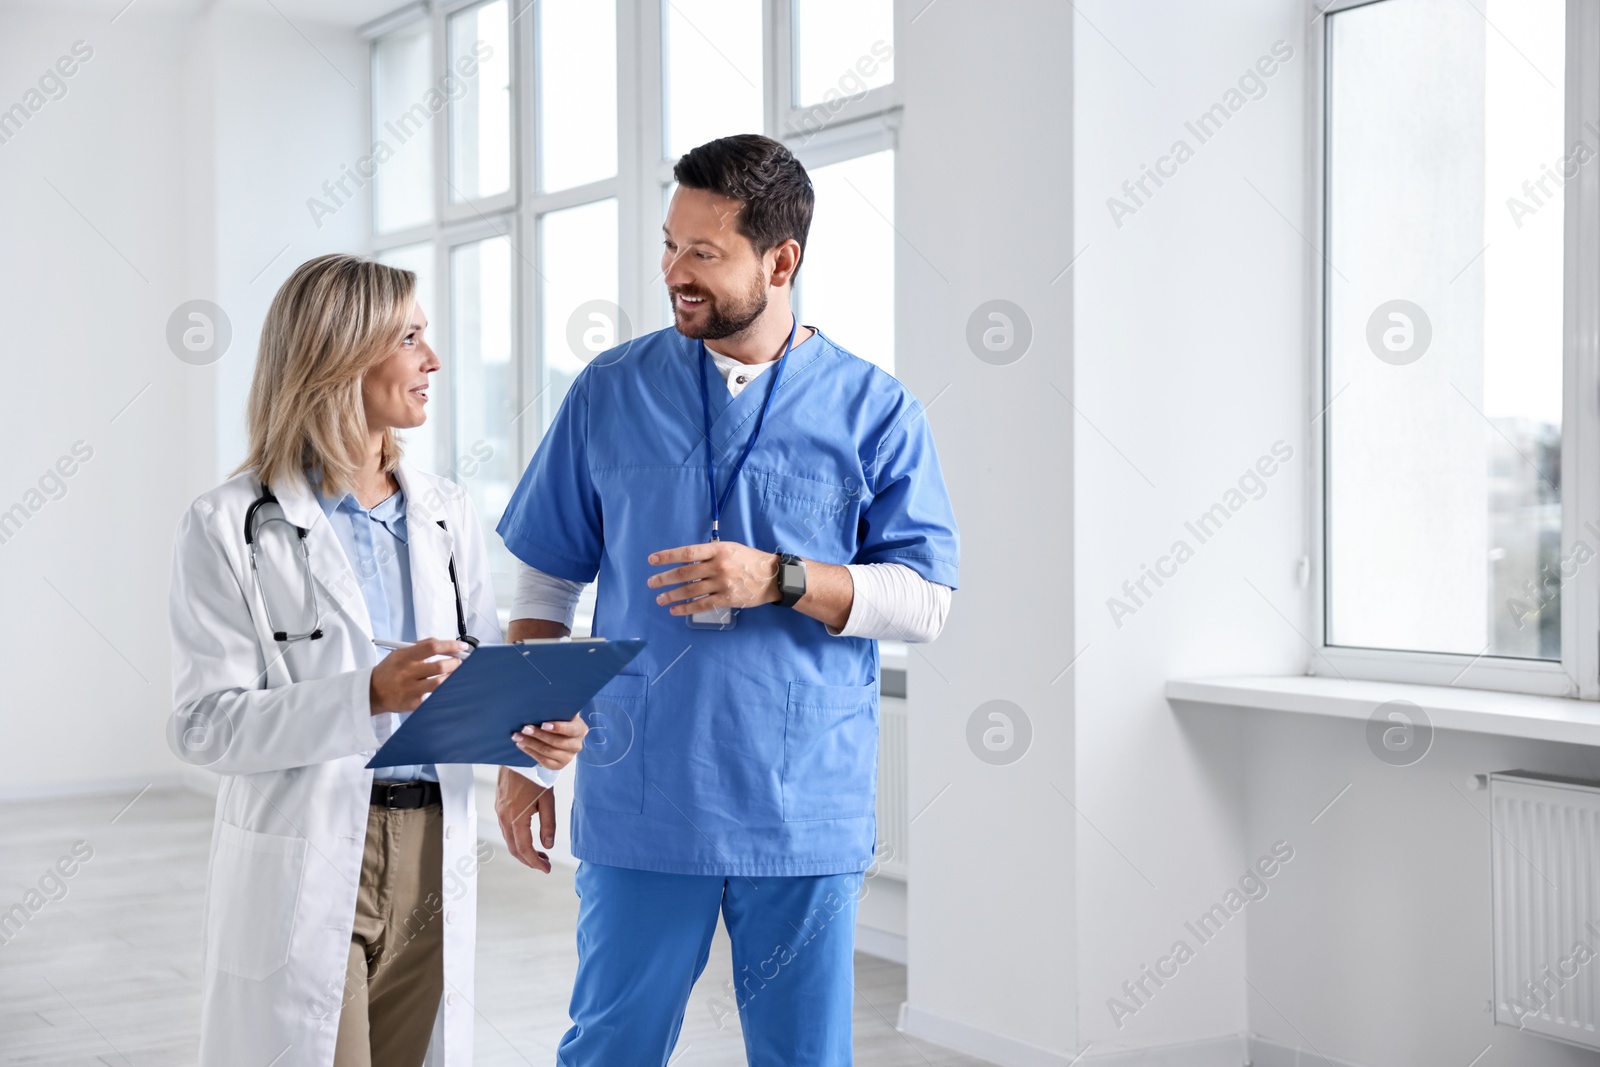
x=394, y=646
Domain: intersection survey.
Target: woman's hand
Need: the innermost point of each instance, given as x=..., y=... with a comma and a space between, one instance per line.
x=553, y=744
x=406, y=675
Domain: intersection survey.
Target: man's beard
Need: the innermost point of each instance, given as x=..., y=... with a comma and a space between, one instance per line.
x=723, y=319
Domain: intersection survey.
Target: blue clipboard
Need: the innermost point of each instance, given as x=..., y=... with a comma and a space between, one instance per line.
x=496, y=691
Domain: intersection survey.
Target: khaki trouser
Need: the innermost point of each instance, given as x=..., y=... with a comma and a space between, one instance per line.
x=396, y=969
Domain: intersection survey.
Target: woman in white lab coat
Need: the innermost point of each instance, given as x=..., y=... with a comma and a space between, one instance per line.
x=340, y=916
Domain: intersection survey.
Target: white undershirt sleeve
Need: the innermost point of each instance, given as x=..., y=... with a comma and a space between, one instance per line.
x=892, y=602
x=544, y=596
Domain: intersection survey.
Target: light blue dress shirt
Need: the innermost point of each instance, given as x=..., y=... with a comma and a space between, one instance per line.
x=374, y=541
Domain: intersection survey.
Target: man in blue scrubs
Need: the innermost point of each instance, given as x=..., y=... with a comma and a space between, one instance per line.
x=762, y=506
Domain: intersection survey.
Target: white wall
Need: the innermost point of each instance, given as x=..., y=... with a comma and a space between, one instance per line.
x=1189, y=360
x=983, y=202
x=87, y=279
x=181, y=150
x=1376, y=947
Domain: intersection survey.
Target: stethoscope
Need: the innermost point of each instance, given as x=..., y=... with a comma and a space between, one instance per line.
x=251, y=528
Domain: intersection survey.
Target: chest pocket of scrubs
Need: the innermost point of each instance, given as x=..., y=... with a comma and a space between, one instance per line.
x=810, y=518
x=255, y=887
x=830, y=751
x=611, y=777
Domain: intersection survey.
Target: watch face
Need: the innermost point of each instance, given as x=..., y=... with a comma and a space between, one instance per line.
x=793, y=578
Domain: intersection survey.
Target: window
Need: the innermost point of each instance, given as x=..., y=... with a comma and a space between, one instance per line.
x=577, y=292
x=483, y=387
x=480, y=142
x=714, y=72
x=456, y=108
x=577, y=73
x=841, y=48
x=847, y=283
x=1451, y=553
x=526, y=155
x=839, y=66
x=402, y=64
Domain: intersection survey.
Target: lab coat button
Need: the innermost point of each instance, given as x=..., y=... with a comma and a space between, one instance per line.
x=450, y=916
x=449, y=832
x=450, y=1000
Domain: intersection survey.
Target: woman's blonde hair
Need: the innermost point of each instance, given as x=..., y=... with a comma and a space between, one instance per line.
x=336, y=318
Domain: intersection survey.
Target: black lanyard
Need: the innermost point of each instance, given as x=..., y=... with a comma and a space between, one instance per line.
x=718, y=503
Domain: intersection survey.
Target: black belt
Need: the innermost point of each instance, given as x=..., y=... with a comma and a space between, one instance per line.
x=404, y=795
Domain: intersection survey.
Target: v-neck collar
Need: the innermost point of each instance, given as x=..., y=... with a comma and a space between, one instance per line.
x=731, y=415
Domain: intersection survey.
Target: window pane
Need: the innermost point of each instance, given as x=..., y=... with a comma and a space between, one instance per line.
x=578, y=282
x=842, y=48
x=402, y=193
x=577, y=92
x=1445, y=327
x=484, y=387
x=846, y=282
x=421, y=442
x=712, y=59
x=480, y=59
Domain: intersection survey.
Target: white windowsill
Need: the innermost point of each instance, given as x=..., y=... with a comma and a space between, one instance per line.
x=1483, y=711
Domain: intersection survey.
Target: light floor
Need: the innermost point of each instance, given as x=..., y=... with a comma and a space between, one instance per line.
x=108, y=975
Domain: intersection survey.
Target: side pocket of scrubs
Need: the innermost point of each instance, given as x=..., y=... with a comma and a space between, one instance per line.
x=255, y=891
x=830, y=751
x=611, y=764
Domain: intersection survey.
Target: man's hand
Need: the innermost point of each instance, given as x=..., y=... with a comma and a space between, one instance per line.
x=515, y=801
x=718, y=574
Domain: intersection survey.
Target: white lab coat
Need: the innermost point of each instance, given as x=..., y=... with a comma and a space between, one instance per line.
x=289, y=730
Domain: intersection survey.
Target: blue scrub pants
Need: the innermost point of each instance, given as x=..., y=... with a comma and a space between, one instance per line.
x=643, y=939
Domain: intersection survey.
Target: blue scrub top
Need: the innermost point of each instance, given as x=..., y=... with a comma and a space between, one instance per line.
x=750, y=751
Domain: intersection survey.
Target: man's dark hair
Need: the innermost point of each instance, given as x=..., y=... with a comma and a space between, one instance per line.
x=762, y=173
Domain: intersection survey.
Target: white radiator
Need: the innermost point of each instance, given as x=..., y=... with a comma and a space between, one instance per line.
x=894, y=822
x=1546, y=870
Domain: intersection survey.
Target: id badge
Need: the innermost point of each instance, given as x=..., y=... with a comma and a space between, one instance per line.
x=714, y=619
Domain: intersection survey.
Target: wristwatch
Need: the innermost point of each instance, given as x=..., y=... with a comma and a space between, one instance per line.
x=791, y=579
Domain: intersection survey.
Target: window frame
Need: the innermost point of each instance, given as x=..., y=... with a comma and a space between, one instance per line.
x=784, y=113
x=1577, y=673
x=862, y=125
x=446, y=207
